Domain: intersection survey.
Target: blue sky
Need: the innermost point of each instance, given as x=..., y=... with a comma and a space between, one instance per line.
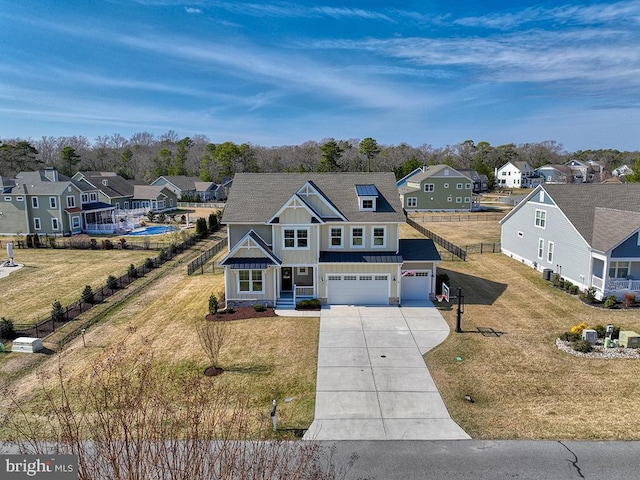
x=281, y=73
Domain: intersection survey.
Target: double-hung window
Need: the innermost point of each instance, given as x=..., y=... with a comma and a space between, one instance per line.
x=250, y=281
x=540, y=247
x=71, y=201
x=357, y=237
x=53, y=203
x=429, y=187
x=34, y=202
x=379, y=237
x=296, y=238
x=412, y=202
x=550, y=252
x=541, y=218
x=335, y=237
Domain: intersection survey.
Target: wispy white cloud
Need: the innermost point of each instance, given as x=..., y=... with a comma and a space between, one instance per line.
x=192, y=10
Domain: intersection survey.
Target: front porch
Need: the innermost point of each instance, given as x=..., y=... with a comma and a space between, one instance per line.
x=295, y=284
x=623, y=278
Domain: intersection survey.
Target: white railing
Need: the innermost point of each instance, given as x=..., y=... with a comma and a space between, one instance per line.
x=98, y=228
x=305, y=291
x=632, y=285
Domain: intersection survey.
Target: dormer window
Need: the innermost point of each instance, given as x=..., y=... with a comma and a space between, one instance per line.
x=367, y=197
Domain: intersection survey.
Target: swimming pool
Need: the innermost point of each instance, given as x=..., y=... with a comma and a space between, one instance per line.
x=157, y=230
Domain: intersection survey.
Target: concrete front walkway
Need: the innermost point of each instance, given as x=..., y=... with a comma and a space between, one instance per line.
x=372, y=381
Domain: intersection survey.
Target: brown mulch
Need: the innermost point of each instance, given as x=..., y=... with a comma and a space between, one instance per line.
x=241, y=313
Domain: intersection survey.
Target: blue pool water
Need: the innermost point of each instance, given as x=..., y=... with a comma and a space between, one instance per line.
x=152, y=230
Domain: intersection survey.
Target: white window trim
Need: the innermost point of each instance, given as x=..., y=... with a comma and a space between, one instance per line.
x=429, y=187
x=467, y=186
x=362, y=237
x=34, y=202
x=458, y=199
x=331, y=245
x=84, y=198
x=302, y=270
x=446, y=185
x=251, y=290
x=540, y=222
x=295, y=238
x=458, y=186
x=71, y=201
x=384, y=237
x=449, y=198
x=55, y=224
x=412, y=202
x=75, y=219
x=37, y=224
x=540, y=248
x=93, y=197
x=53, y=202
x=467, y=199
x=550, y=252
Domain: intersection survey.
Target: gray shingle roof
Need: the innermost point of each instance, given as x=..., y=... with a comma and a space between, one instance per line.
x=600, y=211
x=256, y=197
x=436, y=170
x=116, y=186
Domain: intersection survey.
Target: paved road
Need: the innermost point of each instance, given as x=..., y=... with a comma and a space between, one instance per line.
x=491, y=460
x=372, y=382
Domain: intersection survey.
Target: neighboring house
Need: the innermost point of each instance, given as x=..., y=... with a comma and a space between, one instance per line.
x=438, y=188
x=112, y=188
x=155, y=198
x=45, y=202
x=188, y=187
x=517, y=175
x=222, y=192
x=588, y=234
x=403, y=181
x=558, y=174
x=334, y=237
x=586, y=172
x=622, y=171
x=480, y=181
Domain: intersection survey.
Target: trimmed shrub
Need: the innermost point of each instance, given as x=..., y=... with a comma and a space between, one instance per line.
x=610, y=302
x=201, y=227
x=589, y=295
x=112, y=282
x=573, y=289
x=601, y=330
x=213, y=304
x=6, y=329
x=29, y=241
x=87, y=294
x=582, y=346
x=628, y=299
x=93, y=244
x=123, y=243
x=148, y=263
x=107, y=244
x=57, y=312
x=132, y=271
x=213, y=221
x=577, y=329
x=569, y=336
x=259, y=307
x=567, y=285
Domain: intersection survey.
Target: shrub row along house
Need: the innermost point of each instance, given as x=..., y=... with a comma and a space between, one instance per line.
x=335, y=237
x=588, y=234
x=46, y=202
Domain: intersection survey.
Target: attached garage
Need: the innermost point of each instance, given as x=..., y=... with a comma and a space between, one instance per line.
x=415, y=285
x=361, y=289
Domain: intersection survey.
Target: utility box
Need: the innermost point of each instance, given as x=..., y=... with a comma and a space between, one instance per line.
x=629, y=339
x=27, y=345
x=590, y=336
x=546, y=274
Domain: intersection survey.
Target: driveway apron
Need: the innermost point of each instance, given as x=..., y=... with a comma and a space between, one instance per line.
x=372, y=382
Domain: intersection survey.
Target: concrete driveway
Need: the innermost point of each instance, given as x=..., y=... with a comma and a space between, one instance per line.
x=372, y=381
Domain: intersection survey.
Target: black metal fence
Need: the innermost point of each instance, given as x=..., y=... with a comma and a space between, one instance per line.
x=483, y=248
x=198, y=263
x=450, y=247
x=49, y=325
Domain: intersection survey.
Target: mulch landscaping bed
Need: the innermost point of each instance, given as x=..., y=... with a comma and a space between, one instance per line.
x=240, y=313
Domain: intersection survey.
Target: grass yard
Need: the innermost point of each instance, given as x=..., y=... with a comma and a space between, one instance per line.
x=59, y=274
x=466, y=233
x=523, y=386
x=267, y=358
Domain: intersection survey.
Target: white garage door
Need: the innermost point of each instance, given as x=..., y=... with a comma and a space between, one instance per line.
x=358, y=289
x=416, y=287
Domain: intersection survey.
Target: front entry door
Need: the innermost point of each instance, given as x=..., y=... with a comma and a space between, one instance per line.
x=287, y=280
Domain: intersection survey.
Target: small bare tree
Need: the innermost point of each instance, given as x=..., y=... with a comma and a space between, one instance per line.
x=212, y=336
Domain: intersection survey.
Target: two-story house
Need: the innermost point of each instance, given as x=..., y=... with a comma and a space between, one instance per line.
x=438, y=188
x=517, y=175
x=331, y=236
x=588, y=234
x=188, y=187
x=45, y=202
